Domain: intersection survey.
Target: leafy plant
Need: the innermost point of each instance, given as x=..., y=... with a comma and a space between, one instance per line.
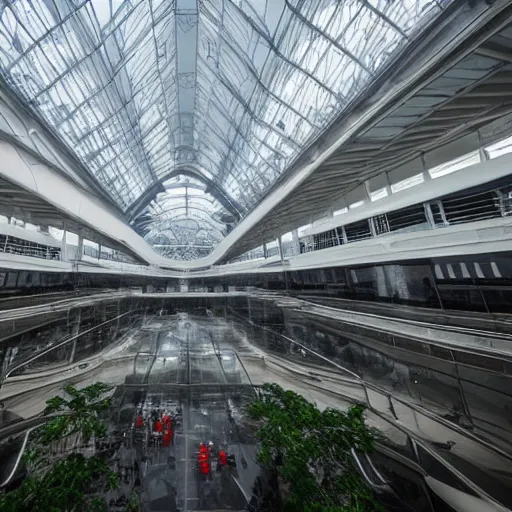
x=80, y=414
x=133, y=503
x=311, y=452
x=71, y=483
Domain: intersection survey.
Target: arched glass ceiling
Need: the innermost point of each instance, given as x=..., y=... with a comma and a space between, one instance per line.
x=185, y=221
x=236, y=88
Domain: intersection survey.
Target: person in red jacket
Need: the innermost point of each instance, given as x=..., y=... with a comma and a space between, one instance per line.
x=204, y=460
x=223, y=458
x=139, y=422
x=158, y=426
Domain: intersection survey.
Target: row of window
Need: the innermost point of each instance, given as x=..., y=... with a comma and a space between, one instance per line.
x=14, y=245
x=471, y=283
x=492, y=200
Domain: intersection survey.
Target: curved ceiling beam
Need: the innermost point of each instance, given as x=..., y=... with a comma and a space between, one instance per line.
x=232, y=206
x=158, y=225
x=191, y=209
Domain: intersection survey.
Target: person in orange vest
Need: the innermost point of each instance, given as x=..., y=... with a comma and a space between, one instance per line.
x=167, y=437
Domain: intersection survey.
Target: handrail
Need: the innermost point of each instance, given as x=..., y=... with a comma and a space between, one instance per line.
x=64, y=341
x=18, y=459
x=85, y=300
x=367, y=385
x=258, y=293
x=27, y=433
x=411, y=436
x=489, y=353
x=427, y=325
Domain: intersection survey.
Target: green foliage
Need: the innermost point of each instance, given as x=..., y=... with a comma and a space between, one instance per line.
x=80, y=414
x=133, y=503
x=310, y=450
x=71, y=483
x=68, y=485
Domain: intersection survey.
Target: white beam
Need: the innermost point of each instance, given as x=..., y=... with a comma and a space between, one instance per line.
x=468, y=177
x=21, y=168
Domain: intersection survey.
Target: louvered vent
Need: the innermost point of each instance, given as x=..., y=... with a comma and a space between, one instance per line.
x=358, y=231
x=406, y=217
x=470, y=208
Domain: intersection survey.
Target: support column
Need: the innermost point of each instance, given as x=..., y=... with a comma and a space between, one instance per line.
x=265, y=252
x=481, y=151
x=295, y=242
x=367, y=191
x=280, y=244
x=80, y=248
x=99, y=251
x=64, y=248
x=430, y=216
x=388, y=185
x=426, y=174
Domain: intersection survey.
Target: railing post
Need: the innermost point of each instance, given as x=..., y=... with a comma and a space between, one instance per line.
x=429, y=215
x=344, y=233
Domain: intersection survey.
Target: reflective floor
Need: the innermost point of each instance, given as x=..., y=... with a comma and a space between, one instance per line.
x=200, y=371
x=182, y=370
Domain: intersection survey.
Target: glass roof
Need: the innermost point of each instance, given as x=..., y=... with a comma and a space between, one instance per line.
x=185, y=221
x=232, y=90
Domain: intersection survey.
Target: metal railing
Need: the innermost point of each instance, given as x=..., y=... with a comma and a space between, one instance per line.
x=481, y=356
x=18, y=246
x=67, y=339
x=460, y=208
x=399, y=412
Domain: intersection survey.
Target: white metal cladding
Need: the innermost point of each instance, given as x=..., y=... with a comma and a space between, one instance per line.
x=235, y=88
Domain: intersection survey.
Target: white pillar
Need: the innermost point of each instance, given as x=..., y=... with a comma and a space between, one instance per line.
x=280, y=244
x=80, y=249
x=64, y=248
x=295, y=242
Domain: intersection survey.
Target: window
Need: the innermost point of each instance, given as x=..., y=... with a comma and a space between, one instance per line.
x=379, y=194
x=497, y=149
x=358, y=231
x=406, y=218
x=455, y=165
x=407, y=183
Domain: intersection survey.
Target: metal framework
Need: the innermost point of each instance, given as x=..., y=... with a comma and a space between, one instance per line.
x=235, y=88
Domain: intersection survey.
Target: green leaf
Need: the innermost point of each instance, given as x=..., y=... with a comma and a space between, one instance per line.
x=311, y=451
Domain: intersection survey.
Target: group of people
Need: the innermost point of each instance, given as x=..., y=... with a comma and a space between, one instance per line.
x=205, y=455
x=162, y=425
